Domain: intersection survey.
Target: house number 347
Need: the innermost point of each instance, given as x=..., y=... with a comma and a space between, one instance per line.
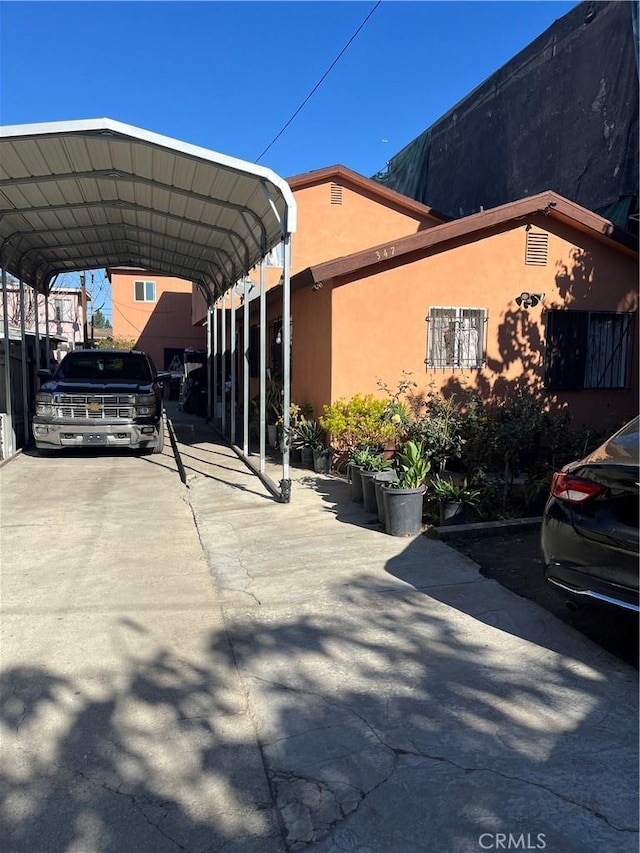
x=385, y=253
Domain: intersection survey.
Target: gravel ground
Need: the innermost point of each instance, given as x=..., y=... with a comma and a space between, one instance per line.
x=514, y=560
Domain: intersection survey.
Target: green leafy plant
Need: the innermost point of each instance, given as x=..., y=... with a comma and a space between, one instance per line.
x=446, y=489
x=308, y=434
x=413, y=467
x=437, y=425
x=369, y=459
x=357, y=422
x=273, y=401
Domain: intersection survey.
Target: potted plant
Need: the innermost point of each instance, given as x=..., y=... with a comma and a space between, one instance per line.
x=298, y=414
x=403, y=498
x=369, y=473
x=380, y=481
x=322, y=457
x=274, y=410
x=307, y=436
x=360, y=459
x=453, y=499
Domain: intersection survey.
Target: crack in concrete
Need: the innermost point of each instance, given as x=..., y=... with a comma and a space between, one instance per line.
x=139, y=808
x=443, y=759
x=398, y=752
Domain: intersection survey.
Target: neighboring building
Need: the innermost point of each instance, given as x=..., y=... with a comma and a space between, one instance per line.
x=154, y=311
x=66, y=317
x=562, y=113
x=65, y=334
x=443, y=305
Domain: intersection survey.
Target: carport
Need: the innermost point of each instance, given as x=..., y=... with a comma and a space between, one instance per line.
x=89, y=194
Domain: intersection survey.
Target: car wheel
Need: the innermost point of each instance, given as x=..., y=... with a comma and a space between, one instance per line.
x=160, y=445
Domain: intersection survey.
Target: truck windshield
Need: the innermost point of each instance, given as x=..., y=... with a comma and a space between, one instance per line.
x=118, y=367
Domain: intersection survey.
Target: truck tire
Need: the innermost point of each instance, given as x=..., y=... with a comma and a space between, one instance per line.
x=160, y=445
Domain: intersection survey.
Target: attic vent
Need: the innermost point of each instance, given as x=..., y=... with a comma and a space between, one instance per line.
x=336, y=194
x=537, y=248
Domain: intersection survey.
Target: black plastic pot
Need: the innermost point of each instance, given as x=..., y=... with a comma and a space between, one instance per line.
x=322, y=461
x=355, y=482
x=403, y=510
x=452, y=512
x=306, y=457
x=383, y=478
x=369, y=491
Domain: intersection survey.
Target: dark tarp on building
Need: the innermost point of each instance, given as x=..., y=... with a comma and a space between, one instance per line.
x=561, y=115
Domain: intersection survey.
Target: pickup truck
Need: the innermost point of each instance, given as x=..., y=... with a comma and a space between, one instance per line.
x=101, y=398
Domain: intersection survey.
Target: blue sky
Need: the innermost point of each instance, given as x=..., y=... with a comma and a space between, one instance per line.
x=229, y=75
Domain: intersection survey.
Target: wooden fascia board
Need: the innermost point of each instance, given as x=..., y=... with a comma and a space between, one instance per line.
x=405, y=248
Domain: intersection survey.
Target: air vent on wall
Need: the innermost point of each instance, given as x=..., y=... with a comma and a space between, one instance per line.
x=537, y=248
x=336, y=194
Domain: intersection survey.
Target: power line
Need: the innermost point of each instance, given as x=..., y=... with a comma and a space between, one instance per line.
x=319, y=83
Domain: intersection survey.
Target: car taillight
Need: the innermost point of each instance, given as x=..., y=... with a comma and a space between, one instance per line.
x=574, y=490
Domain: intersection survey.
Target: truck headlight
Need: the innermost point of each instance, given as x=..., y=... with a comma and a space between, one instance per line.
x=146, y=404
x=44, y=405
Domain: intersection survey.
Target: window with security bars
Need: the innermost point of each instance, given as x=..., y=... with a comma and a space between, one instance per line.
x=456, y=337
x=588, y=350
x=144, y=291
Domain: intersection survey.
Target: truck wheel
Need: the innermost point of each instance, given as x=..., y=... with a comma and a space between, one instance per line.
x=160, y=445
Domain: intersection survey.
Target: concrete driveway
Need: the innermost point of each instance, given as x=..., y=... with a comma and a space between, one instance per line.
x=242, y=675
x=124, y=724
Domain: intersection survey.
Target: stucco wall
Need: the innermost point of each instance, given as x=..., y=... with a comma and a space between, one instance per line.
x=380, y=328
x=327, y=231
x=311, y=350
x=165, y=323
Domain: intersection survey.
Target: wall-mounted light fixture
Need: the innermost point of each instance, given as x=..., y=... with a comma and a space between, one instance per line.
x=529, y=300
x=316, y=286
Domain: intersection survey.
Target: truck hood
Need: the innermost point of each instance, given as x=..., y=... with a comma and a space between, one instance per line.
x=92, y=387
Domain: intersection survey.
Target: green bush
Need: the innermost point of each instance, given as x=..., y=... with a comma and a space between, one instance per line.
x=358, y=422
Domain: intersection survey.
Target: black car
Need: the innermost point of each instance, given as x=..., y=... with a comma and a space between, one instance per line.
x=589, y=533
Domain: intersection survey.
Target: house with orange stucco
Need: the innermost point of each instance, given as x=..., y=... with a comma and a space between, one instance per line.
x=154, y=311
x=537, y=294
x=339, y=212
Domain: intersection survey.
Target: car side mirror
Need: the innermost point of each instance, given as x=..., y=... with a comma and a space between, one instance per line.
x=44, y=373
x=163, y=376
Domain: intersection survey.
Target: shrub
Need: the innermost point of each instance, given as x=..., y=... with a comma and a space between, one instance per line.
x=357, y=422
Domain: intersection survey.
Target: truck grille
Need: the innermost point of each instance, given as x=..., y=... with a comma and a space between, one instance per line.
x=93, y=407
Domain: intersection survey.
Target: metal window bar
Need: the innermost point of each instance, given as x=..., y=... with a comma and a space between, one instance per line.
x=456, y=337
x=609, y=336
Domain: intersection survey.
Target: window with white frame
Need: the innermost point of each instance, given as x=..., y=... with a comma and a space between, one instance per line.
x=144, y=291
x=456, y=337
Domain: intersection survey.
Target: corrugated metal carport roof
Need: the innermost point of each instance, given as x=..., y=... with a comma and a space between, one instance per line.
x=91, y=194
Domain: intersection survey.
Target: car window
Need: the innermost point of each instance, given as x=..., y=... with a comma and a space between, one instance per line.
x=627, y=440
x=113, y=367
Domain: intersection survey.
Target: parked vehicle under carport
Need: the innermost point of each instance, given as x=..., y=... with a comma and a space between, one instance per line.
x=101, y=398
